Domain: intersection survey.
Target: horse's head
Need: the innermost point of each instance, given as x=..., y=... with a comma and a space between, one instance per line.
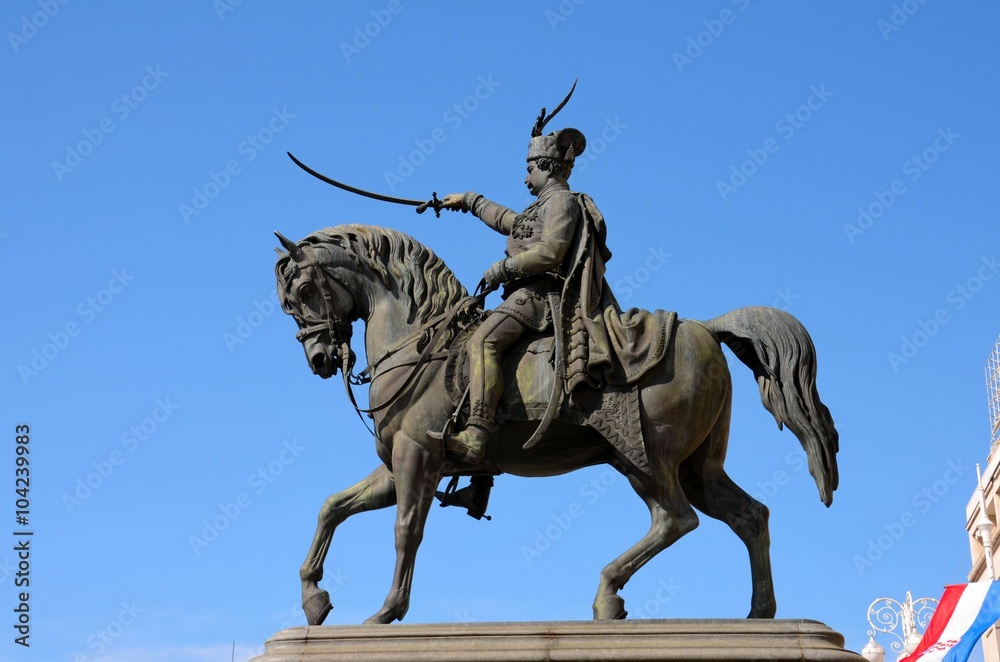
x=322, y=307
x=341, y=274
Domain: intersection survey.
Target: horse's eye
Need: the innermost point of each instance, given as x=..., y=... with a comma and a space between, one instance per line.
x=306, y=291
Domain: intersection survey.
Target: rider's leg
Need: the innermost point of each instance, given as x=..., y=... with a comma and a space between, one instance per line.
x=486, y=347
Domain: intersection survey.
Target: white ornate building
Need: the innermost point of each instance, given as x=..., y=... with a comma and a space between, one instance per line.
x=984, y=535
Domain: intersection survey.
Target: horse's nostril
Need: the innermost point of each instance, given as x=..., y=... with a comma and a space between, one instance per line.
x=318, y=360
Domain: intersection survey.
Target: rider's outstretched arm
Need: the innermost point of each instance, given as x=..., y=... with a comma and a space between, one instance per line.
x=496, y=216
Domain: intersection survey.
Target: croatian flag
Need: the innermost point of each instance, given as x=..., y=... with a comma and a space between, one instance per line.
x=965, y=612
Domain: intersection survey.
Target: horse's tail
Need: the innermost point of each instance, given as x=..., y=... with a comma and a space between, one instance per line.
x=781, y=354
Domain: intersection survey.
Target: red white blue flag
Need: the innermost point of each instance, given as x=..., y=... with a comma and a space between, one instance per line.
x=965, y=612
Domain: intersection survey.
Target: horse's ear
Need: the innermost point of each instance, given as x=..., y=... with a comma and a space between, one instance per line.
x=291, y=247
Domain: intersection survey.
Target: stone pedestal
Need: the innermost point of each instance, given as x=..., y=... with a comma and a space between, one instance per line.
x=569, y=641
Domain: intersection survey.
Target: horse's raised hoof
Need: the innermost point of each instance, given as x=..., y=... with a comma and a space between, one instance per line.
x=316, y=607
x=610, y=609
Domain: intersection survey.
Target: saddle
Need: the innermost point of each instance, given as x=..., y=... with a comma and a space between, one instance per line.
x=528, y=374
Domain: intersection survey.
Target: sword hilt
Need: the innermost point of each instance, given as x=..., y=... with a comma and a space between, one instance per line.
x=433, y=203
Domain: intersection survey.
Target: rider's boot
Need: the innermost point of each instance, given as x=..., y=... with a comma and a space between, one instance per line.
x=469, y=443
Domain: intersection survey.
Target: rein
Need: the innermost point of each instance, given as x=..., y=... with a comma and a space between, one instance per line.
x=443, y=322
x=340, y=333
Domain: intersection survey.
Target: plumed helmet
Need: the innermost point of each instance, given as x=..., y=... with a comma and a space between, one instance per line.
x=563, y=146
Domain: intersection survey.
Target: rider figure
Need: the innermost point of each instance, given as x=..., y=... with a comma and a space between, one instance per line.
x=542, y=241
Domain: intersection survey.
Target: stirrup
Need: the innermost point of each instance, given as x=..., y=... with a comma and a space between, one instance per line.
x=474, y=497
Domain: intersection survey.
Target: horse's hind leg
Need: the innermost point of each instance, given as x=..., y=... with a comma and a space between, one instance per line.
x=374, y=492
x=714, y=493
x=667, y=525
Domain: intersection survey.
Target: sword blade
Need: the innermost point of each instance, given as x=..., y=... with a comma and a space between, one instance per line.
x=356, y=191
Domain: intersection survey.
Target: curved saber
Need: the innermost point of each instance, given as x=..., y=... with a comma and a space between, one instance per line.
x=421, y=205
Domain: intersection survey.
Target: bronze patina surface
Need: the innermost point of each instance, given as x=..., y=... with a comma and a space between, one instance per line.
x=663, y=378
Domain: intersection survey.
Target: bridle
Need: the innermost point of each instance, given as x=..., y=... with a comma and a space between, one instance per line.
x=341, y=330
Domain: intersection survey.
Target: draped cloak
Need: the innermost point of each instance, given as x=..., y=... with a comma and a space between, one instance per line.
x=602, y=345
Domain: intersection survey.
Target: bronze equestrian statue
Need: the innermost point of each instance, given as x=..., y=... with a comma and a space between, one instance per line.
x=555, y=379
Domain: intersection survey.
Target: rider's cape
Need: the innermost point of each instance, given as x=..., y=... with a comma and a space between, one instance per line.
x=603, y=345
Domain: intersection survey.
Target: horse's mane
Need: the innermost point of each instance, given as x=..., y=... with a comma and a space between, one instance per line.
x=402, y=263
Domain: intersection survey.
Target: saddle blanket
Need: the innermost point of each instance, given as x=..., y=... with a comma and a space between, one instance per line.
x=528, y=374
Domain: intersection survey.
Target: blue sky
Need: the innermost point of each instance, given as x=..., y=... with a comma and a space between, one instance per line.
x=832, y=159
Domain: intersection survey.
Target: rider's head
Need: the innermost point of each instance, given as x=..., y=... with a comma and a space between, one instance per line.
x=552, y=157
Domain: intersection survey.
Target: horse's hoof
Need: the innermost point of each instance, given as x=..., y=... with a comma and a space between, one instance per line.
x=610, y=609
x=763, y=612
x=382, y=617
x=316, y=607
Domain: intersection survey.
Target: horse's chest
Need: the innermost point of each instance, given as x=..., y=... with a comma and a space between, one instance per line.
x=384, y=450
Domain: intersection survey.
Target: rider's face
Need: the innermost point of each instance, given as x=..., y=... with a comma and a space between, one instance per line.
x=536, y=179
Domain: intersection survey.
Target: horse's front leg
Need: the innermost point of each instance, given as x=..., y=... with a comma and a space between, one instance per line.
x=374, y=492
x=417, y=470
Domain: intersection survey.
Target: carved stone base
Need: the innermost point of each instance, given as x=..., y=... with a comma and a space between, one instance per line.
x=701, y=640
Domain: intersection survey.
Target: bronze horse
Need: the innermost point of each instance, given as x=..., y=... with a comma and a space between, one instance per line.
x=403, y=292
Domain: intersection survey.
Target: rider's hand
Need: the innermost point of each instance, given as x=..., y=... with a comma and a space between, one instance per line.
x=454, y=202
x=493, y=277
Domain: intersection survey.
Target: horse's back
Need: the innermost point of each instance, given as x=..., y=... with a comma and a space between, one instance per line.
x=688, y=389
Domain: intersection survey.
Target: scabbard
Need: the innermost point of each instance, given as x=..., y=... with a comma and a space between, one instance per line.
x=556, y=395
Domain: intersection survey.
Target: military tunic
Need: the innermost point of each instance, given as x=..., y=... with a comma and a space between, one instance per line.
x=539, y=239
